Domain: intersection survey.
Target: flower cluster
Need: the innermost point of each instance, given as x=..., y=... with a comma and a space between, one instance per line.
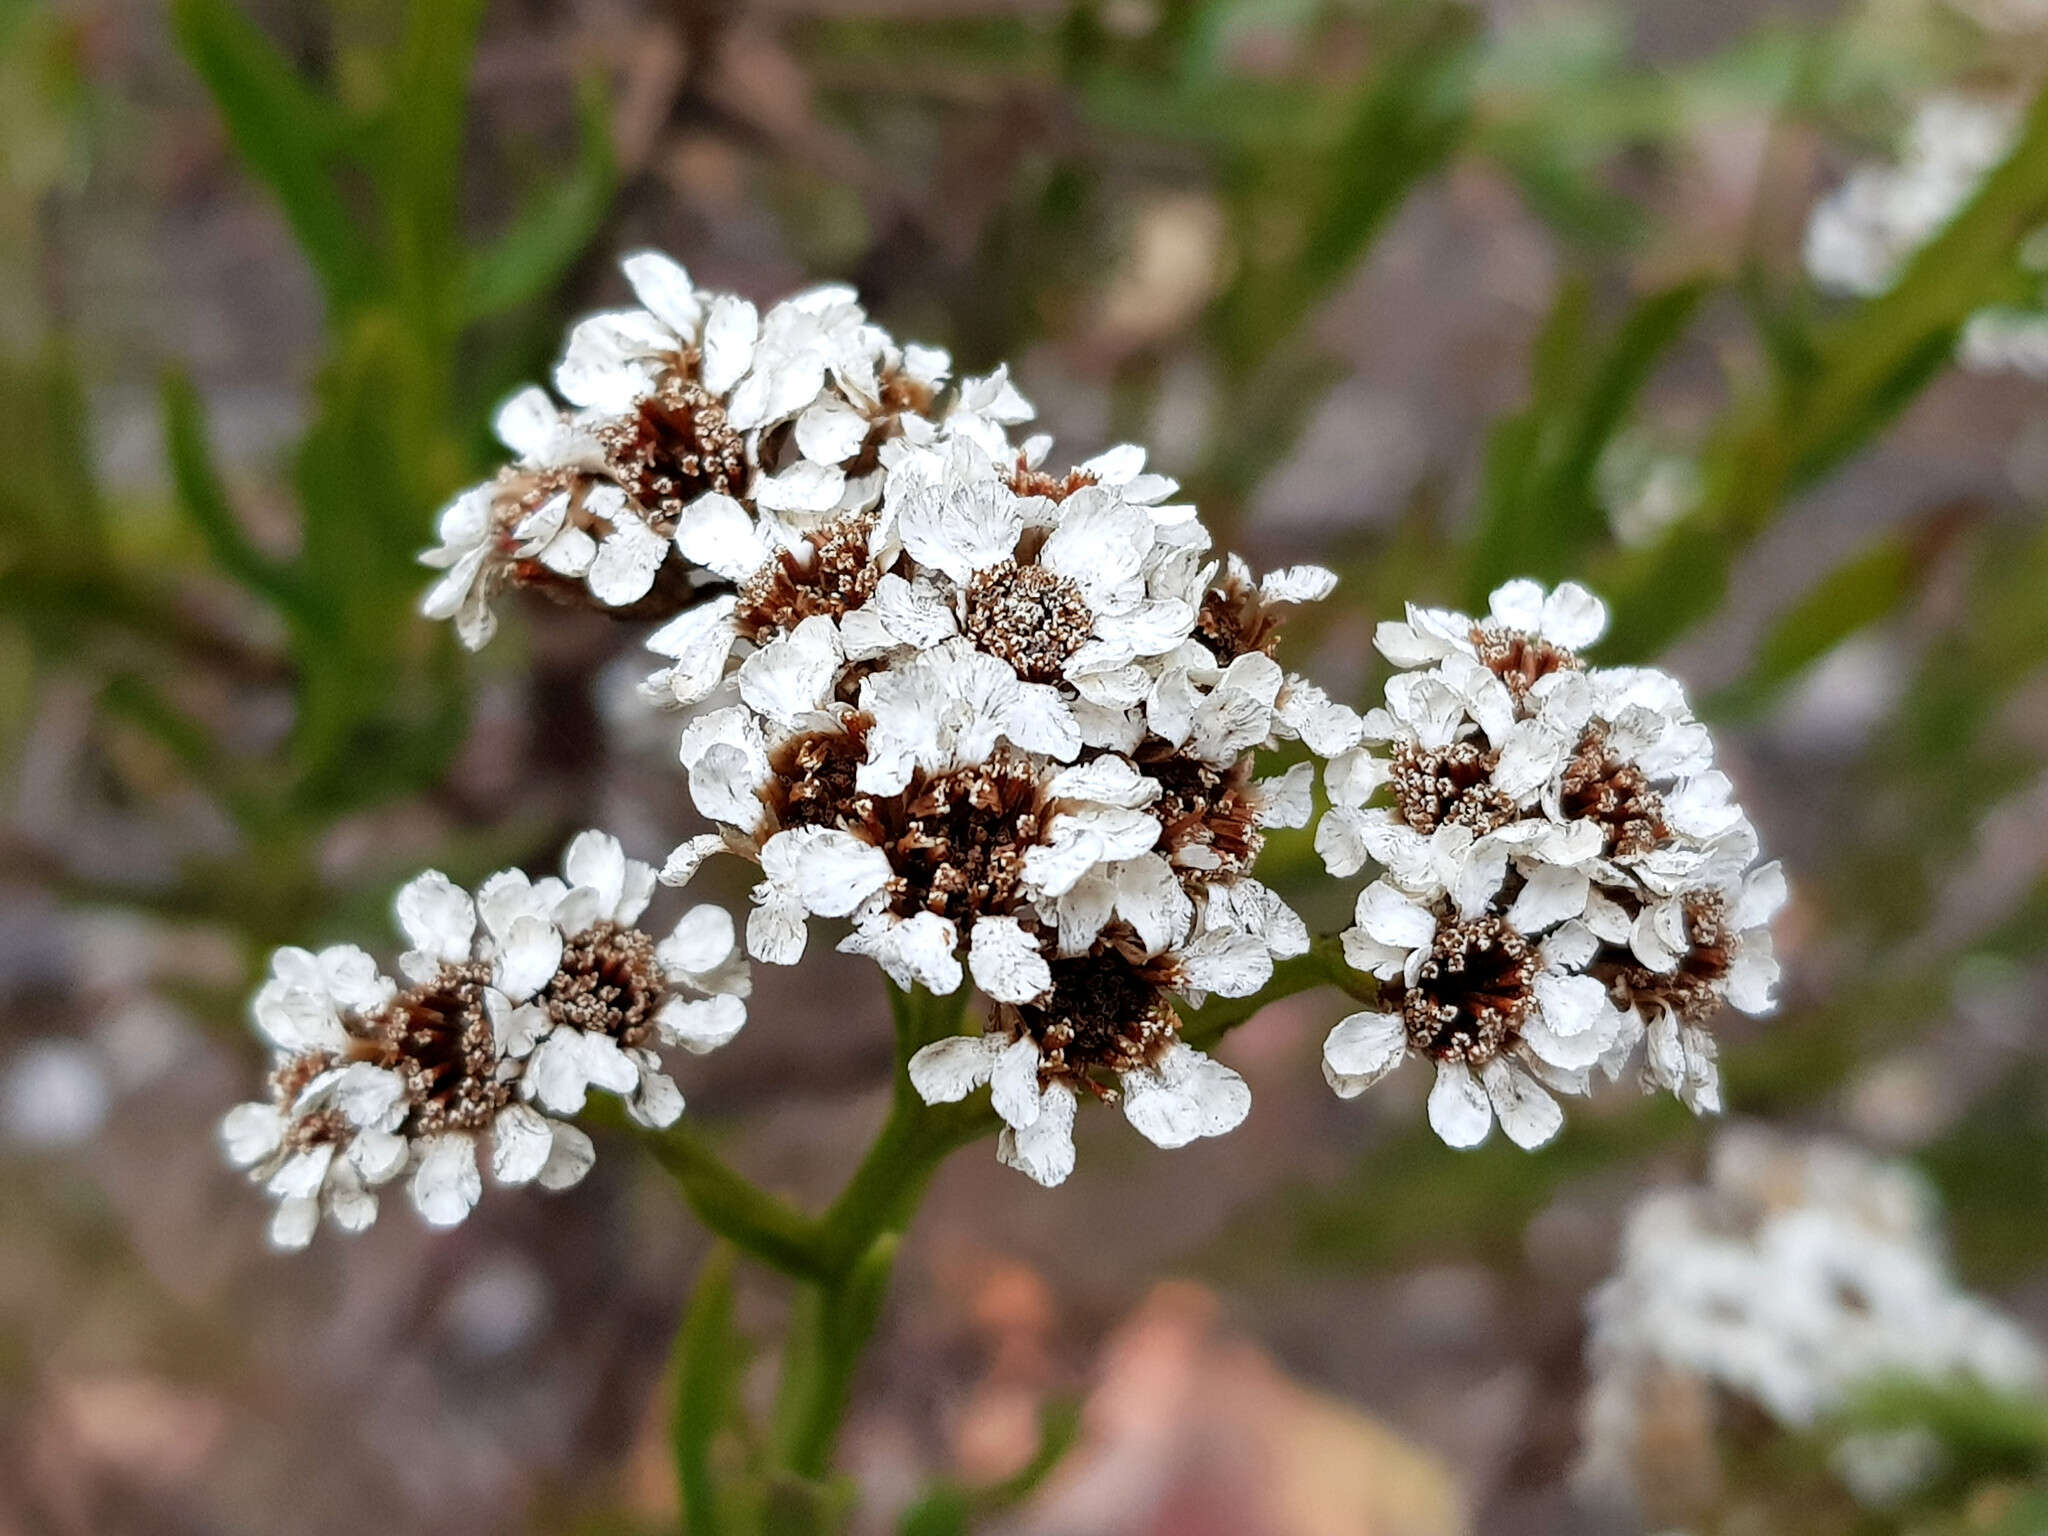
x=997, y=718
x=691, y=394
x=1799, y=1272
x=518, y=1000
x=1862, y=234
x=1564, y=873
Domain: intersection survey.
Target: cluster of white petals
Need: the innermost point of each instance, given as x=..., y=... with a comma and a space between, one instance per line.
x=692, y=393
x=516, y=1001
x=1801, y=1271
x=1560, y=872
x=1861, y=236
x=995, y=721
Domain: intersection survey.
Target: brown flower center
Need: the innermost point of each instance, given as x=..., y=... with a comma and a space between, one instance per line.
x=1520, y=659
x=438, y=1038
x=813, y=778
x=1695, y=989
x=609, y=983
x=830, y=576
x=672, y=448
x=1234, y=621
x=1433, y=786
x=1599, y=786
x=1203, y=807
x=1106, y=1014
x=956, y=841
x=1026, y=481
x=1472, y=994
x=1031, y=617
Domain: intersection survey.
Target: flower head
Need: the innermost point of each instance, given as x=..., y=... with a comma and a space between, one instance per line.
x=520, y=999
x=1564, y=872
x=1797, y=1273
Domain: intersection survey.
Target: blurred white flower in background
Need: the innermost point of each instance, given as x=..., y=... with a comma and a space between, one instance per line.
x=1799, y=1272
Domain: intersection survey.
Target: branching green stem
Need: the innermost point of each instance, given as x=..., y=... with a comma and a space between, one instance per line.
x=843, y=1257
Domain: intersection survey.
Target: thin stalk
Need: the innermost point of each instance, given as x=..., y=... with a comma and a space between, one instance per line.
x=762, y=1225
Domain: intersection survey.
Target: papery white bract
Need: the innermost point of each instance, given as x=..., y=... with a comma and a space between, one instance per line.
x=522, y=997
x=1564, y=873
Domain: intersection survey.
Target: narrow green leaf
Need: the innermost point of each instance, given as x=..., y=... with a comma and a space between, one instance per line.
x=288, y=135
x=420, y=170
x=706, y=1371
x=530, y=258
x=1863, y=371
x=204, y=501
x=1856, y=594
x=1542, y=511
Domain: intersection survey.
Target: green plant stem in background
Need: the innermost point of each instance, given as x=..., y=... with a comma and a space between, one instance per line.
x=1828, y=397
x=842, y=1259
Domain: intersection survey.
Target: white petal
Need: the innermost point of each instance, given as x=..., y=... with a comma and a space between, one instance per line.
x=1763, y=893
x=1392, y=918
x=1006, y=962
x=1528, y=1114
x=627, y=559
x=1107, y=780
x=665, y=288
x=378, y=1156
x=657, y=1102
x=688, y=857
x=1573, y=617
x=1289, y=800
x=1298, y=584
x=714, y=531
x=1458, y=1108
x=1045, y=1148
x=918, y=951
x=251, y=1132
x=529, y=423
x=830, y=871
x=349, y=1205
x=1550, y=896
x=776, y=932
x=830, y=432
x=556, y=1075
x=701, y=941
x=701, y=1024
x=1013, y=1082
x=1518, y=605
x=520, y=1143
x=1365, y=1047
x=793, y=675
x=569, y=1158
x=806, y=486
x=946, y=1071
x=531, y=954
x=294, y=1222
x=446, y=1185
x=729, y=333
x=1149, y=897
x=438, y=917
x=1042, y=721
x=1189, y=1095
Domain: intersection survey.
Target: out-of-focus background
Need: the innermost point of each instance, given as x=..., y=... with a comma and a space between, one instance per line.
x=1434, y=293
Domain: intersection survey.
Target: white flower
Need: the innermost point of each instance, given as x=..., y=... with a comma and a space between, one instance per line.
x=1499, y=1016
x=1799, y=1273
x=1506, y=782
x=1860, y=235
x=1182, y=1096
x=523, y=998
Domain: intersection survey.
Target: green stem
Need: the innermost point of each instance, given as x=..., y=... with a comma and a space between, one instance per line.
x=763, y=1225
x=706, y=1362
x=844, y=1257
